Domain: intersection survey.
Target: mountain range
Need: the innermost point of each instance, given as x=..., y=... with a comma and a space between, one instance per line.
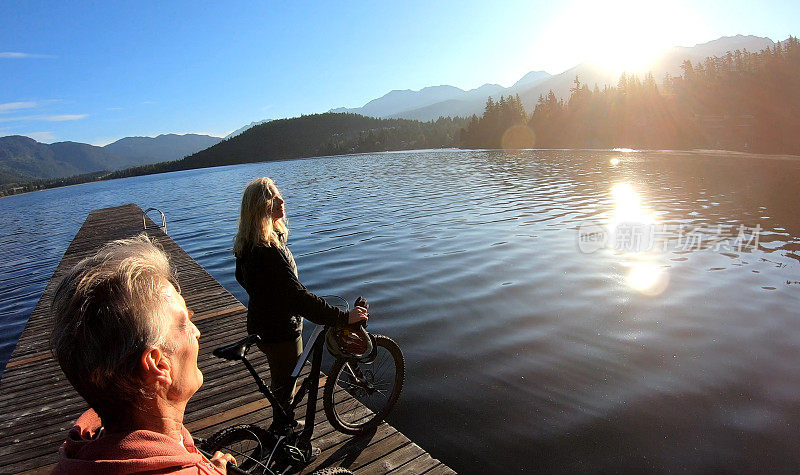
x=23, y=159
x=430, y=103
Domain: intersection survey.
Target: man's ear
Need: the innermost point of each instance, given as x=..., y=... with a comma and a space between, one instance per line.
x=156, y=367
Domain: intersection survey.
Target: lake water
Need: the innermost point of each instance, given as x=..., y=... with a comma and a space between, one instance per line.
x=558, y=310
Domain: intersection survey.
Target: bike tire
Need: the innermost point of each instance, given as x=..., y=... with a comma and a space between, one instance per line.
x=374, y=387
x=248, y=443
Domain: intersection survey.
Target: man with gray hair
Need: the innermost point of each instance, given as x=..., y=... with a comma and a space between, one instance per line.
x=123, y=337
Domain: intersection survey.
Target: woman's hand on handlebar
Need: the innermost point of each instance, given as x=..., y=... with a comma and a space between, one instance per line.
x=358, y=315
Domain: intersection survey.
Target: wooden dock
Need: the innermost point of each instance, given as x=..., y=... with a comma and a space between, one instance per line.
x=38, y=405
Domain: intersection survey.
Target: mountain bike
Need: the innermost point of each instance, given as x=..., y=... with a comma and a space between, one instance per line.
x=359, y=392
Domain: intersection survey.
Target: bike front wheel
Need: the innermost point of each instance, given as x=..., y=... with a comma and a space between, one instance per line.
x=371, y=388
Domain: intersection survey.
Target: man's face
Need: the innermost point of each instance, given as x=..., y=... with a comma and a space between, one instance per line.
x=184, y=337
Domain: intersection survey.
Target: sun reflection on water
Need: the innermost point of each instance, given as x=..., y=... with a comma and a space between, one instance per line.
x=647, y=278
x=632, y=225
x=628, y=209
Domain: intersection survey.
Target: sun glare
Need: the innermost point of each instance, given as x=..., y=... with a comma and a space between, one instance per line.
x=623, y=35
x=633, y=35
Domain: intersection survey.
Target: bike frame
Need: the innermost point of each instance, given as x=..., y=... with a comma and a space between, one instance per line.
x=313, y=349
x=307, y=350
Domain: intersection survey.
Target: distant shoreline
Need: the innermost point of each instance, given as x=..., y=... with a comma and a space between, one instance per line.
x=47, y=184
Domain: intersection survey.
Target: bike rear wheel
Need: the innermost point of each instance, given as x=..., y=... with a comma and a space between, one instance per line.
x=248, y=443
x=372, y=388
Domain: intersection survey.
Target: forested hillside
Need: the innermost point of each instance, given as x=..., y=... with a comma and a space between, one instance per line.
x=23, y=159
x=741, y=101
x=306, y=136
x=317, y=135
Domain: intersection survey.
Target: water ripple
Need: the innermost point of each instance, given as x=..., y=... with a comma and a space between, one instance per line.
x=511, y=334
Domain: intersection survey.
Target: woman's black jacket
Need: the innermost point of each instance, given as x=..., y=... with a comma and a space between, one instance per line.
x=278, y=300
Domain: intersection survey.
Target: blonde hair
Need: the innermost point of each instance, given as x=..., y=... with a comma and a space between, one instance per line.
x=256, y=224
x=108, y=310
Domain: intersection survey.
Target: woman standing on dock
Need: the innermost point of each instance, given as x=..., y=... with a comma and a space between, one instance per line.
x=266, y=269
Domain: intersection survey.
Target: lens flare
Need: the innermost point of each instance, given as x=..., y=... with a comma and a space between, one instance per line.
x=518, y=137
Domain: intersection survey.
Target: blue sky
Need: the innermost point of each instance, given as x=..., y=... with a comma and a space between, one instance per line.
x=98, y=71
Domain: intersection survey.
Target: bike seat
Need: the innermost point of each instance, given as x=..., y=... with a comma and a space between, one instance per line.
x=236, y=351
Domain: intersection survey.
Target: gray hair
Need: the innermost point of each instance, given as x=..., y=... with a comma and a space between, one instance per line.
x=108, y=310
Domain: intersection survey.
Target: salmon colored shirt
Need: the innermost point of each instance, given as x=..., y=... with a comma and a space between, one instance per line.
x=91, y=450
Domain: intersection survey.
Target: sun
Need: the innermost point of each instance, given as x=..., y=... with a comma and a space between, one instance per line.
x=620, y=55
x=623, y=35
x=630, y=35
